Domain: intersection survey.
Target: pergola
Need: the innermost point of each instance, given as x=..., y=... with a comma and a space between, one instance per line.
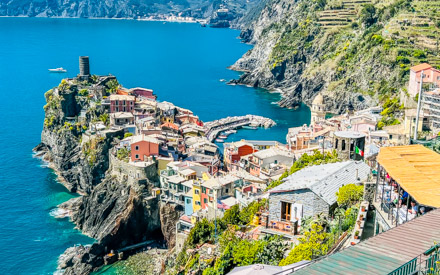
x=416, y=169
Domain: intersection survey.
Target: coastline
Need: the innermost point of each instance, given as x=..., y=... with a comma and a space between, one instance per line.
x=171, y=19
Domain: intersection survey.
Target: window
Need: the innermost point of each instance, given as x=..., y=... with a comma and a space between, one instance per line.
x=136, y=156
x=196, y=191
x=117, y=102
x=117, y=109
x=188, y=201
x=343, y=145
x=336, y=145
x=276, y=161
x=227, y=190
x=286, y=209
x=204, y=190
x=124, y=108
x=198, y=203
x=136, y=148
x=205, y=200
x=124, y=102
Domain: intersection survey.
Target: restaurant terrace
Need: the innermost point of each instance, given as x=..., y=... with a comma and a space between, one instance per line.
x=407, y=184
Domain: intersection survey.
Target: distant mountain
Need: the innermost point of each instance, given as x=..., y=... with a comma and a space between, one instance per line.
x=199, y=9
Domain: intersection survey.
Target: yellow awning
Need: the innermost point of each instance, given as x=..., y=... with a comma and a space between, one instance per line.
x=417, y=170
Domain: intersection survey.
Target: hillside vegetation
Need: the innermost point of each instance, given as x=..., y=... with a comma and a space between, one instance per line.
x=357, y=51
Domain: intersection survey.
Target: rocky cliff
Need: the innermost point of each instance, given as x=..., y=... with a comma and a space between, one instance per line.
x=112, y=211
x=353, y=52
x=169, y=215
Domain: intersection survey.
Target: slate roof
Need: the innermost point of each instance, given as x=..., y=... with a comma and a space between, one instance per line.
x=382, y=253
x=273, y=152
x=326, y=179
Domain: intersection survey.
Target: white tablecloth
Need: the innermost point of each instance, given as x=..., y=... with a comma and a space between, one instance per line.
x=402, y=215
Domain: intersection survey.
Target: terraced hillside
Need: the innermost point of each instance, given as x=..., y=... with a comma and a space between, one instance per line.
x=340, y=13
x=355, y=52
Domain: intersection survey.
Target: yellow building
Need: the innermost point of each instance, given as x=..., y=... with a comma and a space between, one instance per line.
x=197, y=191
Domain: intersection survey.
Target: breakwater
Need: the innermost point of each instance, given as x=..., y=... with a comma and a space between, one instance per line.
x=214, y=128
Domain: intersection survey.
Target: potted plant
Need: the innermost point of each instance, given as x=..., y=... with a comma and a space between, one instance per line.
x=361, y=217
x=359, y=223
x=356, y=234
x=363, y=208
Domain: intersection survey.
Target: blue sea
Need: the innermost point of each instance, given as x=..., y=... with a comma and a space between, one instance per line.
x=184, y=64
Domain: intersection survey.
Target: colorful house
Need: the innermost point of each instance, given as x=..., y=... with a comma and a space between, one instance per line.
x=234, y=151
x=122, y=103
x=188, y=203
x=196, y=197
x=142, y=92
x=430, y=75
x=143, y=146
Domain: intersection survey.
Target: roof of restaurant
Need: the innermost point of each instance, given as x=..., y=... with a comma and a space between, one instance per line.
x=382, y=253
x=326, y=179
x=416, y=170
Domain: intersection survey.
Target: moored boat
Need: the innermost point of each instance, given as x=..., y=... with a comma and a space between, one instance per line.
x=219, y=140
x=250, y=127
x=58, y=70
x=222, y=137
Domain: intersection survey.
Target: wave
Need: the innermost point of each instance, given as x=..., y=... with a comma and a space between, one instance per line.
x=59, y=213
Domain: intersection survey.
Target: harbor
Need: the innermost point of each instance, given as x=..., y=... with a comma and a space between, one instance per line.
x=222, y=127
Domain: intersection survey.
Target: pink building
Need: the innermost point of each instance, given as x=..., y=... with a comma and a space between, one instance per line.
x=431, y=75
x=142, y=92
x=143, y=147
x=122, y=103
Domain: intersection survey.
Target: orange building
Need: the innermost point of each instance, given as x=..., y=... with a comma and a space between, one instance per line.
x=143, y=146
x=234, y=151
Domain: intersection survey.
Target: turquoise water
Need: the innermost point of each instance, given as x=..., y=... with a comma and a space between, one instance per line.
x=183, y=63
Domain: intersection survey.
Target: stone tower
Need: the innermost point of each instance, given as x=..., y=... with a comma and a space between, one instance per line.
x=84, y=68
x=318, y=109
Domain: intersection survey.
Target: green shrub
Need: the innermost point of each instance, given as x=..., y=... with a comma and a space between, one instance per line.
x=349, y=194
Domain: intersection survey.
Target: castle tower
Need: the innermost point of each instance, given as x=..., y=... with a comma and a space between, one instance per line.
x=318, y=109
x=84, y=68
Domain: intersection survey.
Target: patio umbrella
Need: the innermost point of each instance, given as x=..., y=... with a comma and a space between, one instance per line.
x=256, y=269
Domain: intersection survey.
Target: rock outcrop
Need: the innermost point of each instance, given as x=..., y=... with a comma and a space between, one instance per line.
x=112, y=211
x=169, y=215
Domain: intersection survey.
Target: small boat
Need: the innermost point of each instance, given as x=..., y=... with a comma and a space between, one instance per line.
x=58, y=70
x=219, y=140
x=222, y=137
x=231, y=132
x=250, y=127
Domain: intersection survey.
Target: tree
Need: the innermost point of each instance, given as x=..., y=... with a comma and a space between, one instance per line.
x=126, y=135
x=349, y=194
x=112, y=86
x=314, y=244
x=202, y=232
x=368, y=15
x=122, y=153
x=104, y=118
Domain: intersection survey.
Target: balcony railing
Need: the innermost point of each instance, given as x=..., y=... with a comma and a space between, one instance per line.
x=423, y=264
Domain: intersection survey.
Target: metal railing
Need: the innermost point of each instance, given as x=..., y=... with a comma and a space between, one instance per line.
x=424, y=264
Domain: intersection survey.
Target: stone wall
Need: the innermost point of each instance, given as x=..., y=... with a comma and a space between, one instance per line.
x=312, y=204
x=369, y=189
x=131, y=174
